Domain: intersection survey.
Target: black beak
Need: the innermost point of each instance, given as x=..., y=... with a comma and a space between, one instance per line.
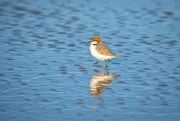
x=90, y=41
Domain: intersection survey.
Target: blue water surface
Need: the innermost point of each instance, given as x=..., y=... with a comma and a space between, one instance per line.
x=48, y=74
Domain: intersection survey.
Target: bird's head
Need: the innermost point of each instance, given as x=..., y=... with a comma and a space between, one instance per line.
x=95, y=40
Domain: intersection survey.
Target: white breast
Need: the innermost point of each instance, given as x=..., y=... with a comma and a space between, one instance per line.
x=98, y=55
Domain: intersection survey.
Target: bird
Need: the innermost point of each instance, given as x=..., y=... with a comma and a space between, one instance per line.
x=101, y=51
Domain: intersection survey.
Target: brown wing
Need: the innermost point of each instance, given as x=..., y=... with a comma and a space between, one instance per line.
x=103, y=49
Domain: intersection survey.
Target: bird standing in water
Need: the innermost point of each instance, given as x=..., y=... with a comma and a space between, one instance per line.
x=100, y=51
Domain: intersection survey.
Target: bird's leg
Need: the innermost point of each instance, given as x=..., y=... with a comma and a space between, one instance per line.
x=106, y=63
x=106, y=67
x=96, y=62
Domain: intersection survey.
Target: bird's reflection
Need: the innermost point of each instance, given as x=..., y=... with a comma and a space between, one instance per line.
x=99, y=81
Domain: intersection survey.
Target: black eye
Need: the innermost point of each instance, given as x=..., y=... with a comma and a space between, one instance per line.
x=93, y=39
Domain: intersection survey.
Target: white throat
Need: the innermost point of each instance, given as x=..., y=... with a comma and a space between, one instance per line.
x=94, y=43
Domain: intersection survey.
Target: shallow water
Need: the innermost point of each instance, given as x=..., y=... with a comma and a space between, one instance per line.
x=48, y=73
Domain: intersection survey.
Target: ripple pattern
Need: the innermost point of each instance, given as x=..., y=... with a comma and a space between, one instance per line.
x=46, y=69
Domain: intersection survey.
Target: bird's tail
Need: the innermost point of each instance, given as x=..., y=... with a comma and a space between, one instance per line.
x=116, y=56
